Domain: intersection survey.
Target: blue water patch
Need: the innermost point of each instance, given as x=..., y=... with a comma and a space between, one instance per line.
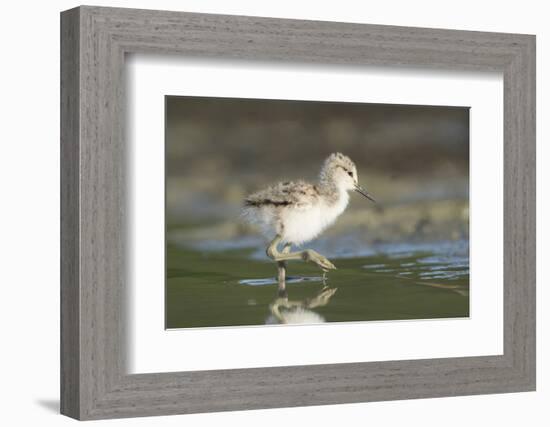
x=425, y=260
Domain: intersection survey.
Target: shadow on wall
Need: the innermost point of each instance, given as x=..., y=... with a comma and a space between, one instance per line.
x=52, y=405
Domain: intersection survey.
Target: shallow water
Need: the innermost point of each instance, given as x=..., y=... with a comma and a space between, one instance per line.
x=233, y=283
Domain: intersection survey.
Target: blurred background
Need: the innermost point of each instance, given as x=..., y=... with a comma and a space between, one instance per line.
x=413, y=159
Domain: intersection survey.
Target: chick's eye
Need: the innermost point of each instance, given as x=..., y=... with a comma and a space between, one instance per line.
x=350, y=174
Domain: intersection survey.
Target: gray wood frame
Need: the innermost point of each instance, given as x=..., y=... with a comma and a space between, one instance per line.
x=94, y=41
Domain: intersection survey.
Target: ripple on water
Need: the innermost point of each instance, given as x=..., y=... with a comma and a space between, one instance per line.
x=449, y=274
x=447, y=260
x=374, y=266
x=273, y=280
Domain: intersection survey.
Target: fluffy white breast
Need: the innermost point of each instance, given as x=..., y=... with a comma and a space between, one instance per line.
x=302, y=225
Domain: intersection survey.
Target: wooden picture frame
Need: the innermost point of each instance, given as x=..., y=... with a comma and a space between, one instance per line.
x=94, y=382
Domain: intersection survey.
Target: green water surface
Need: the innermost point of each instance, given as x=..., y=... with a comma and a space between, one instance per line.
x=234, y=288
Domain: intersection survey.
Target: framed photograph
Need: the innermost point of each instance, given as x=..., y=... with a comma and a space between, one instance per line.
x=222, y=194
x=262, y=213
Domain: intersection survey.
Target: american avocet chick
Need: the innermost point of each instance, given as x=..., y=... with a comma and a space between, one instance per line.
x=292, y=213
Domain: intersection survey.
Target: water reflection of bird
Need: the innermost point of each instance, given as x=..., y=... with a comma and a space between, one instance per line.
x=286, y=311
x=292, y=213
